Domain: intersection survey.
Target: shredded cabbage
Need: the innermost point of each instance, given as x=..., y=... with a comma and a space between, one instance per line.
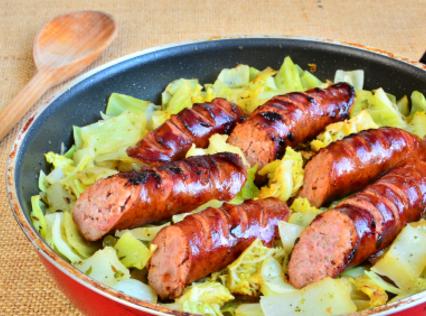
x=204, y=298
x=132, y=252
x=326, y=297
x=74, y=239
x=418, y=102
x=249, y=190
x=417, y=124
x=105, y=267
x=212, y=203
x=339, y=130
x=285, y=176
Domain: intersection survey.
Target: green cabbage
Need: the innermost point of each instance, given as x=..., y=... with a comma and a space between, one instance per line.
x=362, y=98
x=354, y=78
x=272, y=278
x=242, y=276
x=217, y=144
x=303, y=212
x=145, y=233
x=405, y=260
x=119, y=103
x=204, y=298
x=339, y=130
x=58, y=238
x=181, y=94
x=383, y=111
x=288, y=77
x=288, y=234
x=403, y=106
x=285, y=176
x=137, y=289
x=418, y=102
x=105, y=267
x=417, y=124
x=212, y=203
x=37, y=216
x=367, y=293
x=132, y=252
x=74, y=239
x=249, y=190
x=249, y=309
x=326, y=297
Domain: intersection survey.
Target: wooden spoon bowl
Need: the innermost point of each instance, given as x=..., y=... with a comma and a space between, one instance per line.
x=64, y=47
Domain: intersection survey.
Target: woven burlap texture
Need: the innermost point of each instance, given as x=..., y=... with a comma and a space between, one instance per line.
x=397, y=26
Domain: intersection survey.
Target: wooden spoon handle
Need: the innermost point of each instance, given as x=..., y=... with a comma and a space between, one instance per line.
x=19, y=106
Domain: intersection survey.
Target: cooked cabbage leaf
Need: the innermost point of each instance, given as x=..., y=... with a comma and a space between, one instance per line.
x=144, y=233
x=272, y=278
x=37, y=216
x=418, y=102
x=285, y=176
x=242, y=276
x=212, y=203
x=417, y=124
x=367, y=293
x=137, y=289
x=288, y=77
x=119, y=103
x=217, y=144
x=105, y=267
x=132, y=252
x=74, y=239
x=181, y=94
x=405, y=260
x=288, y=234
x=326, y=297
x=249, y=309
x=354, y=77
x=339, y=130
x=383, y=111
x=303, y=212
x=249, y=190
x=204, y=298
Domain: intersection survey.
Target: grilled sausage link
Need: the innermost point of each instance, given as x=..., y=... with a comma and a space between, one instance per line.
x=208, y=241
x=172, y=139
x=359, y=226
x=289, y=120
x=136, y=198
x=351, y=163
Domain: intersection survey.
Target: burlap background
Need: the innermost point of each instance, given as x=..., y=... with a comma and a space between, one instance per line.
x=397, y=26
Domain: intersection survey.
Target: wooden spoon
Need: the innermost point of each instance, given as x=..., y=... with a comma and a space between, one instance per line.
x=64, y=47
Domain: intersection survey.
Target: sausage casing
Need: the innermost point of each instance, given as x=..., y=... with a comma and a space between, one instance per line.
x=208, y=241
x=290, y=119
x=171, y=140
x=360, y=225
x=154, y=194
x=350, y=164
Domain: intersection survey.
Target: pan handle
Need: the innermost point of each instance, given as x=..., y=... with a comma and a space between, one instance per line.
x=423, y=59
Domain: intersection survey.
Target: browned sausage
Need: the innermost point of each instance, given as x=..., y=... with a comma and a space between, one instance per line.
x=208, y=241
x=289, y=120
x=351, y=163
x=359, y=226
x=172, y=139
x=136, y=198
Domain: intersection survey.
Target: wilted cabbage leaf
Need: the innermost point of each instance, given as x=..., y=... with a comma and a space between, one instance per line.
x=285, y=176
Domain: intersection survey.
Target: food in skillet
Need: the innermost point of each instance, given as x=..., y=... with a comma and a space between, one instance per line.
x=151, y=195
x=360, y=225
x=258, y=271
x=348, y=165
x=173, y=139
x=210, y=240
x=289, y=120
